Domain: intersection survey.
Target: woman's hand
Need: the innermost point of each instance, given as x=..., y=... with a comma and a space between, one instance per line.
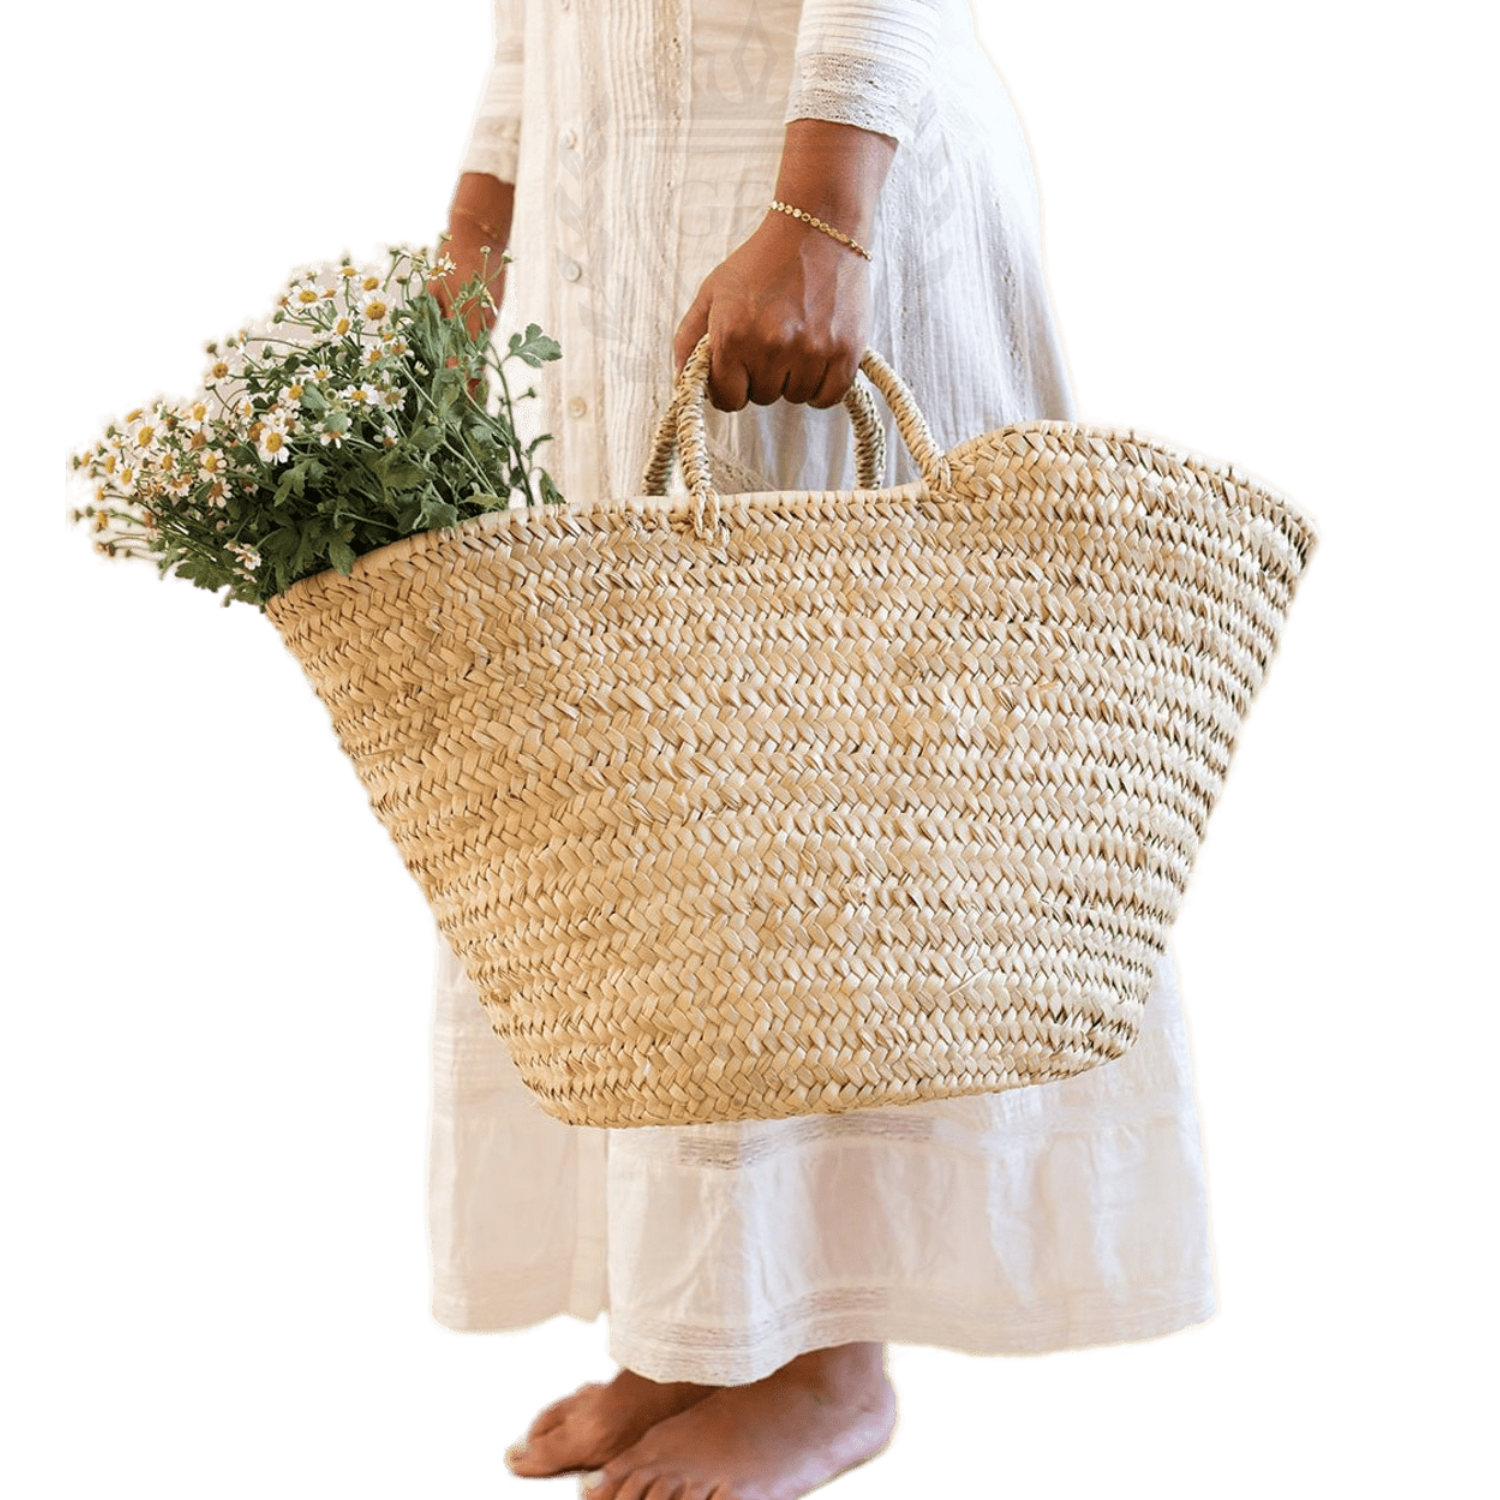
x=788, y=317
x=788, y=314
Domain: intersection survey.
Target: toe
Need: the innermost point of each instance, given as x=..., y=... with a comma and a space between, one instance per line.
x=544, y=1455
x=636, y=1486
x=666, y=1489
x=615, y=1481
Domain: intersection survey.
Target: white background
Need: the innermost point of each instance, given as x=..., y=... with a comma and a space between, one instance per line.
x=1268, y=237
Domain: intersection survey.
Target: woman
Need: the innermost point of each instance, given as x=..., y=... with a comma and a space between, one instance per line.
x=628, y=154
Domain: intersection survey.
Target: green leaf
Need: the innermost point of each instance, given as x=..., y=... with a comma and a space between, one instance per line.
x=400, y=474
x=341, y=555
x=536, y=348
x=447, y=387
x=281, y=543
x=294, y=481
x=437, y=514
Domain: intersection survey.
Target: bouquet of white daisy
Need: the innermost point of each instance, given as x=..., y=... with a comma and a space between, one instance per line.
x=356, y=414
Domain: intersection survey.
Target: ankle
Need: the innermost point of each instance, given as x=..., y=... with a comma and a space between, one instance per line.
x=839, y=1370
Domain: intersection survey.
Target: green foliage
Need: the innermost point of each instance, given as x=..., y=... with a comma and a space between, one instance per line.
x=357, y=414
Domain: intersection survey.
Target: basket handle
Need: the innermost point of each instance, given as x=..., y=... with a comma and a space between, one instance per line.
x=681, y=430
x=869, y=438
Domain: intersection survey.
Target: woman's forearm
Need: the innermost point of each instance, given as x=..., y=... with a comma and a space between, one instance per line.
x=482, y=205
x=479, y=223
x=835, y=172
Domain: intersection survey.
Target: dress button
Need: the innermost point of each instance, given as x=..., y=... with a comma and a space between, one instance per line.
x=571, y=270
x=568, y=139
x=577, y=406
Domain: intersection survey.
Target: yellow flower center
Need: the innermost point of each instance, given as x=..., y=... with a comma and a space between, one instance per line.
x=307, y=295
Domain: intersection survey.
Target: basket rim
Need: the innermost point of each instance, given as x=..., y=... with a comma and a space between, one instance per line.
x=393, y=553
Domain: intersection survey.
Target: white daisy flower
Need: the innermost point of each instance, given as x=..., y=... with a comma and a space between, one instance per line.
x=226, y=365
x=376, y=308
x=273, y=444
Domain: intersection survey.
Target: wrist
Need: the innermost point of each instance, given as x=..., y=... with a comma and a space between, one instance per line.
x=834, y=172
x=819, y=226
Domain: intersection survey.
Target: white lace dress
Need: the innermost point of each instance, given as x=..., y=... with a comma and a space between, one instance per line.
x=1042, y=1218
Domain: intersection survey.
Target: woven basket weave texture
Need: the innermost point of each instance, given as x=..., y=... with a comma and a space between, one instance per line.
x=751, y=806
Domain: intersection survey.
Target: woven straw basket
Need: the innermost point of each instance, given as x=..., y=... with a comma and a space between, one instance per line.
x=791, y=803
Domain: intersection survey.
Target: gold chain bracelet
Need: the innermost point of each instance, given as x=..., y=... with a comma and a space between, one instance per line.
x=807, y=218
x=476, y=221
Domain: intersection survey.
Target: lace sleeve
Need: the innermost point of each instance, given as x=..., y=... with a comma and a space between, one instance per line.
x=864, y=62
x=495, y=141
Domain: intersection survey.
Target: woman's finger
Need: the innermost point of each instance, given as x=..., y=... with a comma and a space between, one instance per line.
x=808, y=375
x=693, y=326
x=838, y=376
x=728, y=379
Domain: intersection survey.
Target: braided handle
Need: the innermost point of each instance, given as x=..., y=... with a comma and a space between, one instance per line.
x=685, y=415
x=869, y=436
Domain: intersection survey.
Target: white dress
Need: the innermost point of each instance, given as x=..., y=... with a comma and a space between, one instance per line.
x=1043, y=1218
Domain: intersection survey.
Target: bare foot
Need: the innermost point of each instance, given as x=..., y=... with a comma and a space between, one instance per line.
x=777, y=1439
x=588, y=1428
